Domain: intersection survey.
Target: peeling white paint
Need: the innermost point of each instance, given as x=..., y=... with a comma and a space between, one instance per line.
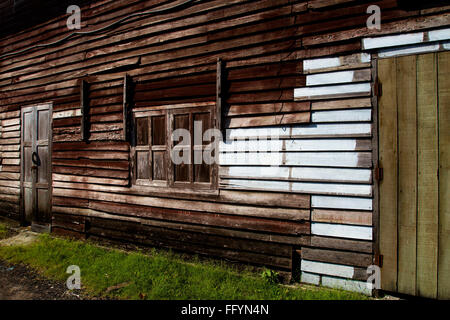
x=439, y=35
x=394, y=52
x=330, y=78
x=309, y=278
x=392, y=41
x=363, y=88
x=341, y=231
x=328, y=269
x=349, y=285
x=328, y=202
x=356, y=115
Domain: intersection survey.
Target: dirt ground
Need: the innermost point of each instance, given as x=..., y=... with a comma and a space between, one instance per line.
x=17, y=282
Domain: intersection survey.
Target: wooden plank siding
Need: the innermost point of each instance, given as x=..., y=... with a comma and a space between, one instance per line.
x=292, y=71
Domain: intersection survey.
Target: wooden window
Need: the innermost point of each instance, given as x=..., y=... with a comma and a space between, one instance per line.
x=158, y=140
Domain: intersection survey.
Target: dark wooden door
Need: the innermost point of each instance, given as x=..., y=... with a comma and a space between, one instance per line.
x=414, y=134
x=36, y=166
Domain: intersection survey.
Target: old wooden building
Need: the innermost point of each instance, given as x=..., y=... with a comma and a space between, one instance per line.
x=335, y=150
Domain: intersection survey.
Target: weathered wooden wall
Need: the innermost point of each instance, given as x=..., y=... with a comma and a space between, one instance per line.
x=296, y=70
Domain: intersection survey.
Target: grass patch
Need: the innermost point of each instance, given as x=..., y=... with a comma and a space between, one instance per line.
x=4, y=232
x=160, y=275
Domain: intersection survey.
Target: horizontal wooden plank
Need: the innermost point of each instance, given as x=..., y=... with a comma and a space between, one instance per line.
x=285, y=214
x=338, y=257
x=363, y=218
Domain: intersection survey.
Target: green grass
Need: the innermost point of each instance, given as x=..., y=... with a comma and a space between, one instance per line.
x=3, y=231
x=160, y=275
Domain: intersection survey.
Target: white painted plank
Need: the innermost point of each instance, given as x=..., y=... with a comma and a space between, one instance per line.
x=349, y=285
x=289, y=145
x=354, y=175
x=402, y=51
x=257, y=185
x=341, y=203
x=356, y=115
x=356, y=129
x=326, y=159
x=251, y=145
x=392, y=41
x=309, y=278
x=256, y=172
x=314, y=65
x=303, y=173
x=439, y=35
x=300, y=187
x=328, y=269
x=315, y=159
x=341, y=231
x=320, y=145
x=67, y=114
x=261, y=159
x=330, y=78
x=322, y=63
x=446, y=45
x=329, y=91
x=332, y=188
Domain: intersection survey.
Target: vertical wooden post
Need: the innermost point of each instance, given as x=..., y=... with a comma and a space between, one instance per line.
x=388, y=159
x=220, y=103
x=127, y=90
x=84, y=104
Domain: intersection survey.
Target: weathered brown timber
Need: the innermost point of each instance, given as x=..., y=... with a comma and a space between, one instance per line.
x=117, y=95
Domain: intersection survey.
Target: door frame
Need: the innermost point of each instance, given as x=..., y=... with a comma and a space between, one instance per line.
x=37, y=227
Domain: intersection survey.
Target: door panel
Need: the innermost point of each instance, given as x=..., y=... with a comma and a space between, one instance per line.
x=413, y=152
x=407, y=173
x=388, y=161
x=36, y=165
x=427, y=182
x=444, y=177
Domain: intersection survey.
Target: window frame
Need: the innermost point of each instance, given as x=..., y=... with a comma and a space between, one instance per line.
x=170, y=112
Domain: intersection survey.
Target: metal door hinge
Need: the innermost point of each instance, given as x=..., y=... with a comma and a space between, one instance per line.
x=377, y=88
x=378, y=260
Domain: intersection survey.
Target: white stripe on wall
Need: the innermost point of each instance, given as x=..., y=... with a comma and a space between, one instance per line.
x=323, y=63
x=327, y=202
x=328, y=269
x=304, y=173
x=330, y=78
x=342, y=116
x=289, y=145
x=301, y=187
x=314, y=92
x=315, y=159
x=309, y=278
x=439, y=35
x=349, y=285
x=341, y=231
x=392, y=41
x=361, y=129
x=393, y=52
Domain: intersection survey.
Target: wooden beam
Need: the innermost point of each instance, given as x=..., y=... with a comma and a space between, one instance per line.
x=84, y=103
x=220, y=92
x=127, y=106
